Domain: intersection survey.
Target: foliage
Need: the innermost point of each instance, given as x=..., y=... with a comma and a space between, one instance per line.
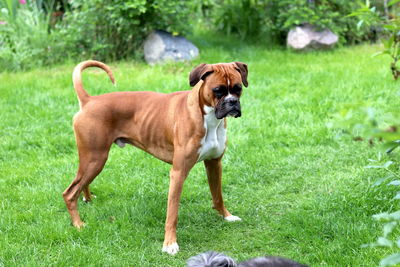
x=256, y=18
x=369, y=14
x=25, y=40
x=110, y=30
x=244, y=18
x=376, y=130
x=391, y=220
x=105, y=30
x=323, y=14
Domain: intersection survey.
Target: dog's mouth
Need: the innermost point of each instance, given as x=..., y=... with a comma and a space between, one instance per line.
x=227, y=109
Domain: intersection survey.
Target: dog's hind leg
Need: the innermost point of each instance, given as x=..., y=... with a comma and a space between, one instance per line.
x=87, y=195
x=90, y=166
x=93, y=153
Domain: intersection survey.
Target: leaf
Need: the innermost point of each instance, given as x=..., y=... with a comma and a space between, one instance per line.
x=391, y=3
x=390, y=260
x=354, y=14
x=373, y=167
x=387, y=216
x=380, y=216
x=387, y=136
x=359, y=24
x=387, y=164
x=395, y=182
x=384, y=166
x=390, y=146
x=397, y=196
x=388, y=43
x=383, y=52
x=388, y=228
x=395, y=215
x=359, y=12
x=381, y=180
x=384, y=242
x=390, y=27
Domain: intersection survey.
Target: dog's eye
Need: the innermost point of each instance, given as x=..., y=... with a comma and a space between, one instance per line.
x=220, y=91
x=237, y=89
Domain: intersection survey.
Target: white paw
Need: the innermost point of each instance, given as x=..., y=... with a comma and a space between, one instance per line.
x=171, y=249
x=85, y=200
x=232, y=218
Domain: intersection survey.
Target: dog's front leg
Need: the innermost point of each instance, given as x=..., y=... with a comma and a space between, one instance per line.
x=178, y=175
x=214, y=175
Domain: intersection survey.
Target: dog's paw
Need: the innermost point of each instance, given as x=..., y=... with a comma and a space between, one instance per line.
x=79, y=225
x=88, y=200
x=232, y=218
x=171, y=249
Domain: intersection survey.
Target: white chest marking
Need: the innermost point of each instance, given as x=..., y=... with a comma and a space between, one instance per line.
x=213, y=142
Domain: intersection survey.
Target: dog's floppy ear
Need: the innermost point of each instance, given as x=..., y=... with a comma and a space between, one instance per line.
x=242, y=69
x=199, y=72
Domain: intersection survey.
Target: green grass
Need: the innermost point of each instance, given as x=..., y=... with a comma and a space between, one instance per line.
x=302, y=191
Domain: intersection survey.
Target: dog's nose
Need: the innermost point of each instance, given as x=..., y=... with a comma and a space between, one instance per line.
x=232, y=100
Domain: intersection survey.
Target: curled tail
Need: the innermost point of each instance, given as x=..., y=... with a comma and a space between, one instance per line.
x=83, y=96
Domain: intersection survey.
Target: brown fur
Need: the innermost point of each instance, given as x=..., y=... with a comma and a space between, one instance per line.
x=168, y=126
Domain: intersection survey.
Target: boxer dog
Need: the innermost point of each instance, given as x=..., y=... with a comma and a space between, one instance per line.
x=180, y=128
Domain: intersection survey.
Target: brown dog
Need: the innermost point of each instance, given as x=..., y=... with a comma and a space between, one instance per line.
x=180, y=128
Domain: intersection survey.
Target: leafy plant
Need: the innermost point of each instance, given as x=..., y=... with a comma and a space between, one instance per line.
x=324, y=14
x=116, y=29
x=369, y=14
x=244, y=18
x=390, y=220
x=370, y=128
x=106, y=30
x=273, y=18
x=25, y=40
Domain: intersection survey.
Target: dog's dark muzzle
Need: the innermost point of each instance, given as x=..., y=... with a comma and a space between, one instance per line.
x=228, y=107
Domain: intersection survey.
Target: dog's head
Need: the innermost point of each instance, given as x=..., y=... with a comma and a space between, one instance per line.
x=222, y=86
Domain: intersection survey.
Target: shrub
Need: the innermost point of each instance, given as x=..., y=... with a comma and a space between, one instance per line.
x=25, y=40
x=390, y=23
x=323, y=14
x=256, y=18
x=115, y=29
x=378, y=130
x=244, y=18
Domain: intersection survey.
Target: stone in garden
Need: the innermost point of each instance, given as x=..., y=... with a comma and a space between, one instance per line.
x=308, y=37
x=161, y=46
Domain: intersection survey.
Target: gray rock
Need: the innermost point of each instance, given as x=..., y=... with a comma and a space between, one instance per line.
x=161, y=46
x=307, y=37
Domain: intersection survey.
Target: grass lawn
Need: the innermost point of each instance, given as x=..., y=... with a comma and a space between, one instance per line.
x=300, y=187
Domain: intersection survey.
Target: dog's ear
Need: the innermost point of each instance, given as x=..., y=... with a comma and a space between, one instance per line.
x=242, y=69
x=199, y=72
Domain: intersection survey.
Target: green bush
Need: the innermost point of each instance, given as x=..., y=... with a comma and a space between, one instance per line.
x=331, y=14
x=266, y=18
x=390, y=23
x=242, y=17
x=115, y=29
x=25, y=40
